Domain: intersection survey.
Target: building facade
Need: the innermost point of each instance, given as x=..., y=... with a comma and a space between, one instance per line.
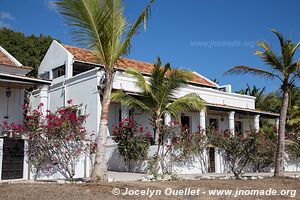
x=75, y=74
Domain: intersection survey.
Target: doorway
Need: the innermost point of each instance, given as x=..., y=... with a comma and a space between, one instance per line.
x=185, y=122
x=13, y=159
x=211, y=160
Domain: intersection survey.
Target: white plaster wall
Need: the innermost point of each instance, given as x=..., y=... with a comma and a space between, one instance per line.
x=82, y=89
x=126, y=82
x=15, y=110
x=56, y=56
x=142, y=118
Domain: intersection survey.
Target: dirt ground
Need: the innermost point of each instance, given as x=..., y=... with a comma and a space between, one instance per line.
x=161, y=190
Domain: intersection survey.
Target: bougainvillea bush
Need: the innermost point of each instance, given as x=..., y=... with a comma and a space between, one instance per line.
x=254, y=150
x=56, y=140
x=133, y=141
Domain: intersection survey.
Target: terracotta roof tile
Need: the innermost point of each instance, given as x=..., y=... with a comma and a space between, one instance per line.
x=87, y=56
x=4, y=60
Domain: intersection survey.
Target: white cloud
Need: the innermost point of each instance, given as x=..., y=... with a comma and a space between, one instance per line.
x=6, y=15
x=3, y=24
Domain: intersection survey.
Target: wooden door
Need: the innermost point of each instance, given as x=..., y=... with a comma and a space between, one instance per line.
x=13, y=159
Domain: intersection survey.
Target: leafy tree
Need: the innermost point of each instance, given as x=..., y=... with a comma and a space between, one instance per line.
x=286, y=69
x=272, y=102
x=157, y=95
x=28, y=50
x=100, y=25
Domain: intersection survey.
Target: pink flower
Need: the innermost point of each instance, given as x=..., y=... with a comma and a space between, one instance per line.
x=141, y=129
x=70, y=101
x=147, y=134
x=40, y=105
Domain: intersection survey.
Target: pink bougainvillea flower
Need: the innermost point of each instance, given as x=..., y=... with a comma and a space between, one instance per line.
x=70, y=101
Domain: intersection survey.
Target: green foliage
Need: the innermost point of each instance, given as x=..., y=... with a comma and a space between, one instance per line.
x=264, y=156
x=186, y=145
x=293, y=148
x=133, y=141
x=28, y=50
x=254, y=149
x=272, y=102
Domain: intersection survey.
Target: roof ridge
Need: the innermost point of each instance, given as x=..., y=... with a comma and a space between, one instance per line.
x=85, y=55
x=10, y=57
x=120, y=57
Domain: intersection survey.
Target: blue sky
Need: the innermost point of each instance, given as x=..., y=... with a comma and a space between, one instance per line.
x=207, y=36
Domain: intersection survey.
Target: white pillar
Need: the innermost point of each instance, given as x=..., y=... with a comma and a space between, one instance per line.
x=231, y=122
x=202, y=120
x=256, y=123
x=124, y=112
x=167, y=119
x=26, y=170
x=44, y=98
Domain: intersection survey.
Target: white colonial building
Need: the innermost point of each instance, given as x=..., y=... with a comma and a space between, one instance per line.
x=75, y=75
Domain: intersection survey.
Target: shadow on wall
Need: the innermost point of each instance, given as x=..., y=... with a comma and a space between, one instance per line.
x=117, y=163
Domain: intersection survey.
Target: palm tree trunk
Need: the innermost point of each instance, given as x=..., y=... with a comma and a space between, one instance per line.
x=279, y=167
x=99, y=172
x=157, y=131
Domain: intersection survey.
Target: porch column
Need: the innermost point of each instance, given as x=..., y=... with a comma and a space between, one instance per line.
x=202, y=120
x=124, y=112
x=277, y=125
x=256, y=123
x=44, y=98
x=231, y=122
x=167, y=119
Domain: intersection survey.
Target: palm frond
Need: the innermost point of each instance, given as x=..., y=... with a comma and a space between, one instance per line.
x=251, y=71
x=188, y=103
x=280, y=37
x=143, y=18
x=294, y=48
x=128, y=100
x=172, y=82
x=264, y=45
x=86, y=18
x=141, y=82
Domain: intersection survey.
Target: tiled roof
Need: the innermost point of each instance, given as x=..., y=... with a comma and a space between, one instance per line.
x=87, y=56
x=4, y=60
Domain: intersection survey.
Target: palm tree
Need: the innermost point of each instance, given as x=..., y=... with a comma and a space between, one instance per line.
x=256, y=92
x=100, y=25
x=284, y=68
x=157, y=95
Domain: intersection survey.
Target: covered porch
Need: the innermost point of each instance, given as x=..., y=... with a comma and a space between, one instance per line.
x=221, y=117
x=224, y=118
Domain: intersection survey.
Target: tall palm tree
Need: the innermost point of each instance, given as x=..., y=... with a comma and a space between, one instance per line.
x=101, y=26
x=284, y=68
x=157, y=95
